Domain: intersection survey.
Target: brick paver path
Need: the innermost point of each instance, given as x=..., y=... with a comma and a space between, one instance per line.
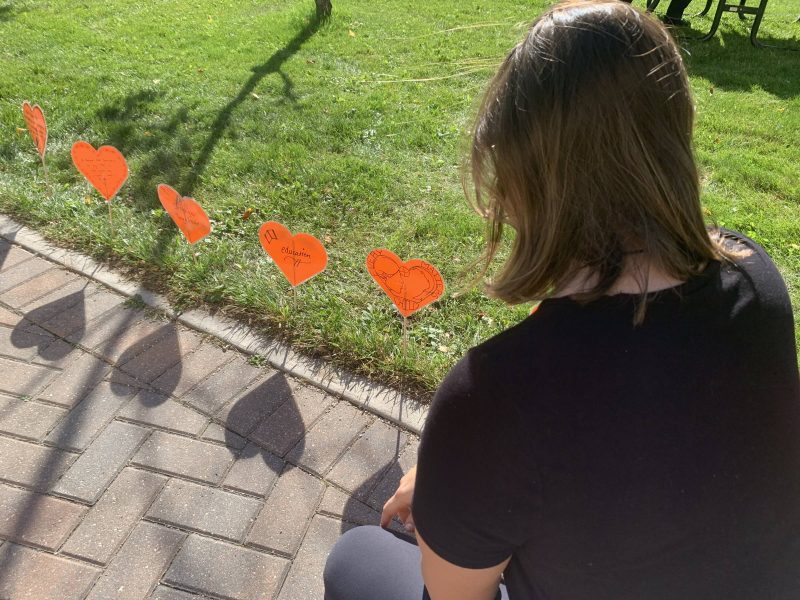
x=139, y=459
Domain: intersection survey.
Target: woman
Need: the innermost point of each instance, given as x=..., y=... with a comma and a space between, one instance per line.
x=638, y=436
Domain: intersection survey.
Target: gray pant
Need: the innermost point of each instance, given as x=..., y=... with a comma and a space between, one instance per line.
x=370, y=563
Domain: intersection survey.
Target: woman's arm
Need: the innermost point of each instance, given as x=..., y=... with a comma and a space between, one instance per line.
x=444, y=580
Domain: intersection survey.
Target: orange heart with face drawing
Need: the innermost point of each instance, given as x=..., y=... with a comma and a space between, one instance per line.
x=105, y=168
x=411, y=285
x=299, y=256
x=188, y=215
x=34, y=120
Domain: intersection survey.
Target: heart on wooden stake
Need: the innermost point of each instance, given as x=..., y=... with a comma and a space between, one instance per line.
x=299, y=256
x=105, y=168
x=188, y=215
x=411, y=285
x=34, y=119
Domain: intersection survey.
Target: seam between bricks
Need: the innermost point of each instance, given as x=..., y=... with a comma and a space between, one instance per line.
x=139, y=519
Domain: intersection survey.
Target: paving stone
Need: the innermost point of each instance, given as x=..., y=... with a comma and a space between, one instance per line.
x=184, y=457
x=110, y=520
x=388, y=484
x=228, y=571
x=11, y=255
x=137, y=567
x=204, y=509
x=132, y=340
x=72, y=322
x=22, y=379
x=329, y=437
x=172, y=343
x=281, y=431
x=342, y=506
x=363, y=465
x=193, y=369
x=305, y=576
x=262, y=398
x=21, y=272
x=284, y=518
x=57, y=300
x=217, y=433
x=113, y=323
x=36, y=519
x=255, y=471
x=89, y=476
x=28, y=419
x=163, y=592
x=154, y=409
x=36, y=287
x=78, y=378
x=40, y=576
x=23, y=341
x=7, y=317
x=58, y=354
x=211, y=394
x=32, y=466
x=85, y=421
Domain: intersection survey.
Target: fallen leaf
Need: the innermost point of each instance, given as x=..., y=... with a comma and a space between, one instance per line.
x=201, y=70
x=147, y=134
x=351, y=33
x=256, y=96
x=328, y=239
x=247, y=214
x=20, y=130
x=87, y=200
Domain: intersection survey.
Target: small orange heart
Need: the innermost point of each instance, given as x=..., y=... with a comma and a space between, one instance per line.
x=105, y=168
x=299, y=256
x=188, y=215
x=34, y=119
x=411, y=285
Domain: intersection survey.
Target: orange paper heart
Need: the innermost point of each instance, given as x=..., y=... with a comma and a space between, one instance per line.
x=299, y=256
x=188, y=215
x=105, y=168
x=411, y=285
x=34, y=119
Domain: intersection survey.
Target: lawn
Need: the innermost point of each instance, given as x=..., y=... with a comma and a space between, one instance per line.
x=350, y=130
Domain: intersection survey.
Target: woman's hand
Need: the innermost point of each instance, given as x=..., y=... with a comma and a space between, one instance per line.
x=400, y=503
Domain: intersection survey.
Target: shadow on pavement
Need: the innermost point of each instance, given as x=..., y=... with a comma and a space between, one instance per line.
x=163, y=355
x=273, y=403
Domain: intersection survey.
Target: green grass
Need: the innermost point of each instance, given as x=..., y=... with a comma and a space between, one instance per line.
x=349, y=130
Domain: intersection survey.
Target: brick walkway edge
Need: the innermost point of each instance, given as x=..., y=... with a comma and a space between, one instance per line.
x=142, y=455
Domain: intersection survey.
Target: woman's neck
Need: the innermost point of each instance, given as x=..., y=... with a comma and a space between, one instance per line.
x=637, y=272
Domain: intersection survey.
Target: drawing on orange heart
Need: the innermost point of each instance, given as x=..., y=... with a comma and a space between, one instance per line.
x=186, y=213
x=105, y=168
x=299, y=256
x=37, y=126
x=411, y=285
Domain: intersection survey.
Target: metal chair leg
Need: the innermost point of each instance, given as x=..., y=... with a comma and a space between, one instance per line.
x=704, y=12
x=715, y=23
x=651, y=5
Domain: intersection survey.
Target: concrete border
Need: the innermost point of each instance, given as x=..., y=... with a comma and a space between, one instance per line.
x=380, y=400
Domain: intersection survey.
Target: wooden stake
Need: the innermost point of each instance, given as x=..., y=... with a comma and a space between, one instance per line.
x=110, y=220
x=405, y=337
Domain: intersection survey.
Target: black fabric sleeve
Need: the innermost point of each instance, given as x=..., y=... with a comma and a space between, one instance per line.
x=474, y=500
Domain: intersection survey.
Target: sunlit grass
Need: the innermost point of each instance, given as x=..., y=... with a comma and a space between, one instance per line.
x=349, y=130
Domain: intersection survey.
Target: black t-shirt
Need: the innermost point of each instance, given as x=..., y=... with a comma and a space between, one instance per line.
x=613, y=461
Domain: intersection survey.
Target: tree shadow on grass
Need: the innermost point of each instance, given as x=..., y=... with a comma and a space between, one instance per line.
x=7, y=12
x=168, y=151
x=732, y=63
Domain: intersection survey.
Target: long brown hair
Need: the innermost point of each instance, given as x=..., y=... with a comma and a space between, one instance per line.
x=583, y=144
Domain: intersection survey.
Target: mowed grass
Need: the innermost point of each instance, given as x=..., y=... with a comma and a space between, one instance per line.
x=350, y=130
